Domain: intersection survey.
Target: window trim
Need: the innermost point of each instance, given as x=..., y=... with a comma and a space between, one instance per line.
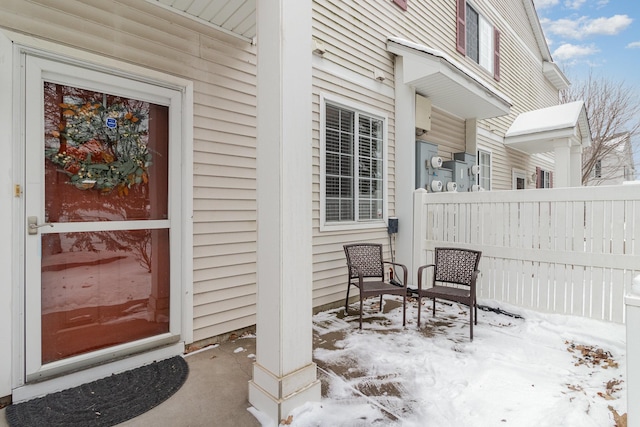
x=361, y=108
x=461, y=38
x=490, y=154
x=518, y=174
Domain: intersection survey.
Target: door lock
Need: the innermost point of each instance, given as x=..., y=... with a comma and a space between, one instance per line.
x=32, y=225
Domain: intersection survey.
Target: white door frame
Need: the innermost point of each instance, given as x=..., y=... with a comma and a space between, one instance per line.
x=179, y=93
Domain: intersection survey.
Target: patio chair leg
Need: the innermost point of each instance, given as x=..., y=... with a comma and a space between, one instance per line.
x=380, y=302
x=346, y=302
x=434, y=307
x=471, y=323
x=361, y=312
x=419, y=309
x=475, y=306
x=404, y=309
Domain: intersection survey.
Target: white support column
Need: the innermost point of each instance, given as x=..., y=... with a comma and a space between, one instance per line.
x=405, y=167
x=632, y=301
x=10, y=223
x=562, y=151
x=284, y=375
x=576, y=166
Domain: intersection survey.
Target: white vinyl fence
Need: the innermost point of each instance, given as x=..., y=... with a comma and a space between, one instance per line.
x=570, y=250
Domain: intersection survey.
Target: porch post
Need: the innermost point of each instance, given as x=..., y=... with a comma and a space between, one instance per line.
x=632, y=301
x=10, y=224
x=562, y=151
x=576, y=166
x=284, y=375
x=405, y=167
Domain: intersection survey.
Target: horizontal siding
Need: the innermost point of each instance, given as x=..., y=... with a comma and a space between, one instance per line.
x=356, y=41
x=448, y=132
x=223, y=70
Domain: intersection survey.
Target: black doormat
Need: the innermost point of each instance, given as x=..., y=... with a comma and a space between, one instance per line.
x=105, y=402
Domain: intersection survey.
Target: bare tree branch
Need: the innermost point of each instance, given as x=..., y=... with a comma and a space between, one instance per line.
x=613, y=109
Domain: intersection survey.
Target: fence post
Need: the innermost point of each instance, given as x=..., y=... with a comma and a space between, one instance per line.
x=419, y=229
x=632, y=301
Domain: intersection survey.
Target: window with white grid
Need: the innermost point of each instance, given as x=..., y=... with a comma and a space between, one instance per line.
x=353, y=165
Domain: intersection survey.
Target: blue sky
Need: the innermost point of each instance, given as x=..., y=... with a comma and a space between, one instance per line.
x=598, y=36
x=601, y=35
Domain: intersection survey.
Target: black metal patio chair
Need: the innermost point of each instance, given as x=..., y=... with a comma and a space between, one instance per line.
x=454, y=279
x=366, y=272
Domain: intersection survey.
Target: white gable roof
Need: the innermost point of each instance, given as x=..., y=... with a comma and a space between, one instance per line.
x=535, y=131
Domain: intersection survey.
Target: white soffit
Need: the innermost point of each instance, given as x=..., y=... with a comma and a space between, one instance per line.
x=536, y=131
x=554, y=75
x=235, y=17
x=450, y=86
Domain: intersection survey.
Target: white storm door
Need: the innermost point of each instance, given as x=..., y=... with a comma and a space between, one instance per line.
x=102, y=173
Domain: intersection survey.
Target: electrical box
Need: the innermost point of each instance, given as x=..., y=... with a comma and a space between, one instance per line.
x=423, y=113
x=460, y=174
x=426, y=155
x=392, y=227
x=463, y=171
x=440, y=180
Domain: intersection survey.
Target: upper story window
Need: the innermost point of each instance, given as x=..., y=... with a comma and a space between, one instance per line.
x=484, y=177
x=353, y=153
x=597, y=170
x=477, y=38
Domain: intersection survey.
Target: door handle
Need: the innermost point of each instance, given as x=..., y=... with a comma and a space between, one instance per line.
x=32, y=225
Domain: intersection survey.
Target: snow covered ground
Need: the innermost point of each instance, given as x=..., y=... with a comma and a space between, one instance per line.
x=538, y=370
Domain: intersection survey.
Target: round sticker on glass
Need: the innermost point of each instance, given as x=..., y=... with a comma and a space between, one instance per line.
x=111, y=123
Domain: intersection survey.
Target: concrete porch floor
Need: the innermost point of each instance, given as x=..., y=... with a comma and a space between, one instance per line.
x=216, y=391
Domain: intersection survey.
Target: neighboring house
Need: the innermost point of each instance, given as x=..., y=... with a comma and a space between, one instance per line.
x=165, y=244
x=615, y=164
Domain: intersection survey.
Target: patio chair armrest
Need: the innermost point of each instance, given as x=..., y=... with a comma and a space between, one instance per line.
x=474, y=277
x=404, y=270
x=420, y=270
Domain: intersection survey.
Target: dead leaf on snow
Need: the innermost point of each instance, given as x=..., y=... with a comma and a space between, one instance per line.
x=591, y=356
x=620, y=420
x=288, y=421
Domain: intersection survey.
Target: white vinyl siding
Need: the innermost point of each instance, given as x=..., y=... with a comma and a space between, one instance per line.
x=356, y=40
x=223, y=71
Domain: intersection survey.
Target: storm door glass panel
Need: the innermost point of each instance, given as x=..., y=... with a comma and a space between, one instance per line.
x=105, y=157
x=105, y=279
x=115, y=293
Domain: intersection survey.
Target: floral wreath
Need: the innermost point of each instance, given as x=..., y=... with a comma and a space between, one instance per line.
x=102, y=147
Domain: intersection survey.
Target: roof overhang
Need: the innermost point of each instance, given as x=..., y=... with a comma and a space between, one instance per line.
x=555, y=76
x=234, y=17
x=539, y=131
x=450, y=86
